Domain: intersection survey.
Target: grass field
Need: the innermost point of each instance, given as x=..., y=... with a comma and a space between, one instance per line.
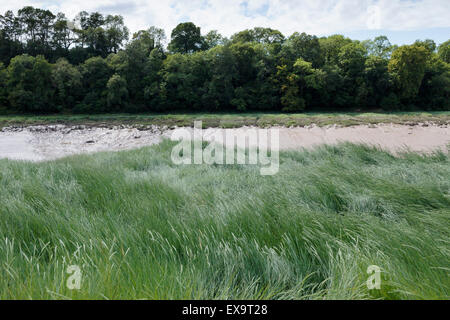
x=140, y=227
x=232, y=120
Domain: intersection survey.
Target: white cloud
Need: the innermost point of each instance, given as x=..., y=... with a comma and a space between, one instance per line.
x=317, y=17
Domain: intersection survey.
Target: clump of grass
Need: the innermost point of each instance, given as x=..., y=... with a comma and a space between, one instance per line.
x=141, y=227
x=230, y=120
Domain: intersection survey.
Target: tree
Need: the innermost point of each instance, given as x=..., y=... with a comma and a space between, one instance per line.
x=101, y=35
x=90, y=34
x=244, y=81
x=444, y=51
x=116, y=33
x=37, y=25
x=136, y=64
x=153, y=79
x=3, y=88
x=331, y=47
x=434, y=92
x=265, y=91
x=29, y=84
x=117, y=96
x=299, y=86
x=67, y=80
x=63, y=35
x=428, y=44
x=133, y=66
x=303, y=46
x=219, y=88
x=260, y=35
x=96, y=73
x=158, y=35
x=377, y=80
x=10, y=26
x=149, y=39
x=186, y=38
x=213, y=39
x=183, y=81
x=257, y=69
x=10, y=32
x=351, y=59
x=290, y=99
x=407, y=66
x=379, y=47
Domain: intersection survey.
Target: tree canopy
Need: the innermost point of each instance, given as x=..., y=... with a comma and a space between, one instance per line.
x=49, y=64
x=186, y=38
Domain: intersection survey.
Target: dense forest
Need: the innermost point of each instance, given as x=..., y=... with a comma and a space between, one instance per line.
x=50, y=64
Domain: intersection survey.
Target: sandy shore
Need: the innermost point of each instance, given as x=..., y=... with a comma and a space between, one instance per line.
x=395, y=138
x=52, y=142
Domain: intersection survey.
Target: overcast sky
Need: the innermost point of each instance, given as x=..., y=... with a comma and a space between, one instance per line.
x=403, y=21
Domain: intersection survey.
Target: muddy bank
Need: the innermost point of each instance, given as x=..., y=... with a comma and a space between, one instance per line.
x=51, y=142
x=39, y=143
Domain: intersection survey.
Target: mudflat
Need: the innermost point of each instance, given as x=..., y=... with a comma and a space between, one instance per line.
x=40, y=143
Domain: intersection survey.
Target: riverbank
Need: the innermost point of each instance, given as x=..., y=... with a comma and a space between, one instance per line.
x=229, y=120
x=49, y=142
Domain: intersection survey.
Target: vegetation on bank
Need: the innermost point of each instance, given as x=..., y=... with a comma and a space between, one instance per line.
x=49, y=64
x=139, y=226
x=230, y=120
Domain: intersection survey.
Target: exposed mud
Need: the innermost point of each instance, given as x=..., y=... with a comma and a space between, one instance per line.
x=40, y=143
x=53, y=142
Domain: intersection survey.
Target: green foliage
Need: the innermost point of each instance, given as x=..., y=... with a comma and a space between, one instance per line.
x=302, y=46
x=408, y=65
x=101, y=35
x=256, y=70
x=30, y=84
x=139, y=64
x=379, y=47
x=213, y=39
x=186, y=38
x=351, y=59
x=428, y=44
x=149, y=39
x=298, y=86
x=219, y=89
x=63, y=35
x=3, y=88
x=444, y=51
x=331, y=47
x=260, y=35
x=378, y=82
x=182, y=80
x=96, y=73
x=67, y=80
x=117, y=96
x=434, y=92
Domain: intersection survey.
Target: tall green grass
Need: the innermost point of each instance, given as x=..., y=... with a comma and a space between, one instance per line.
x=142, y=228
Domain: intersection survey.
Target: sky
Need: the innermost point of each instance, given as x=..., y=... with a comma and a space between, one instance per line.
x=402, y=21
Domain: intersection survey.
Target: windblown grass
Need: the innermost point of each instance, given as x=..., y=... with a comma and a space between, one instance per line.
x=141, y=227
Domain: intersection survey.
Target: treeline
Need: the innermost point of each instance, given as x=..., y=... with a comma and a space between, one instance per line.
x=89, y=65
